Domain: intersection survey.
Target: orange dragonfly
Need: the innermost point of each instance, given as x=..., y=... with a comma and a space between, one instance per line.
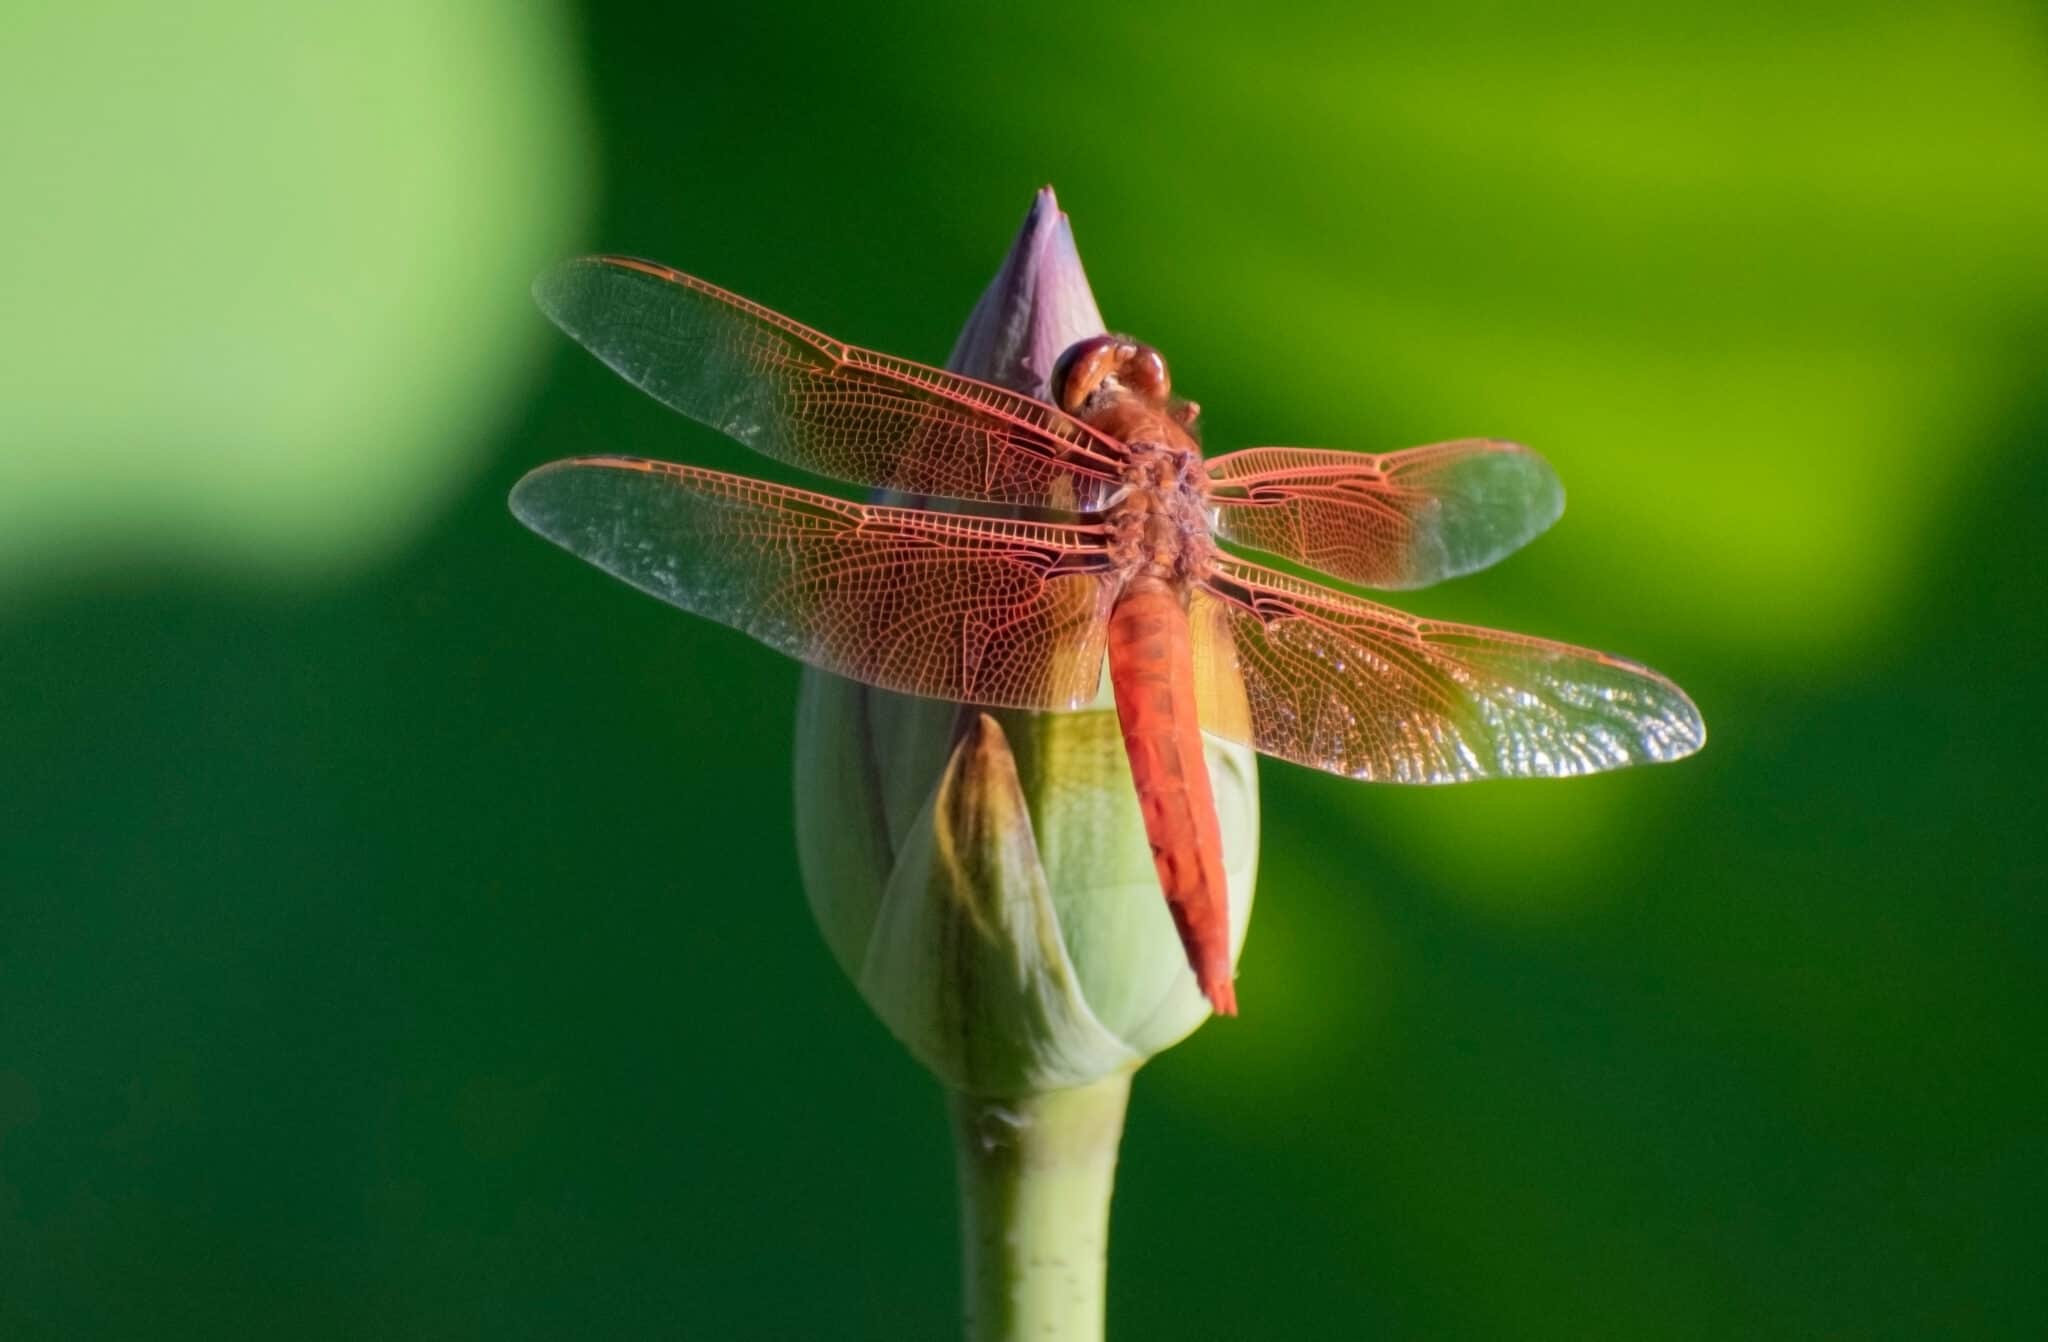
x=1008, y=612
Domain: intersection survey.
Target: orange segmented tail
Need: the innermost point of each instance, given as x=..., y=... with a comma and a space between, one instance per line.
x=1151, y=666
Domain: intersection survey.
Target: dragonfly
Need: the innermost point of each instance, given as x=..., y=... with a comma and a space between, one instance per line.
x=1096, y=543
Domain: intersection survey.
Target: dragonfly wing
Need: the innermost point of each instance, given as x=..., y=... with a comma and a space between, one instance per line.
x=1355, y=688
x=979, y=609
x=1406, y=519
x=830, y=408
x=1220, y=704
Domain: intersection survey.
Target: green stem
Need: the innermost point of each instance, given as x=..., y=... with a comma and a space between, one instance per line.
x=1035, y=1180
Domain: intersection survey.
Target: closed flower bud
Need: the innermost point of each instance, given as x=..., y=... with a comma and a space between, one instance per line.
x=984, y=876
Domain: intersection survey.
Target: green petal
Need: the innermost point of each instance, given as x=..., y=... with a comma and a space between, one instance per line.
x=967, y=963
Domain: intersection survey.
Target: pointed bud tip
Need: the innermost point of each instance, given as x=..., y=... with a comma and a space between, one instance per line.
x=1038, y=304
x=984, y=751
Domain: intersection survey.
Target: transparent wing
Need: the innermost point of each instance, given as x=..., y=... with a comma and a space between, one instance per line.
x=1406, y=519
x=831, y=408
x=1342, y=684
x=979, y=609
x=1220, y=704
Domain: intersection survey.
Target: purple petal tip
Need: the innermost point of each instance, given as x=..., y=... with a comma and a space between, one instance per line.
x=1038, y=304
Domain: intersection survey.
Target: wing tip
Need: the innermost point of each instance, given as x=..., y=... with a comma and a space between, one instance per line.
x=1673, y=727
x=556, y=290
x=524, y=499
x=1670, y=726
x=621, y=261
x=1689, y=721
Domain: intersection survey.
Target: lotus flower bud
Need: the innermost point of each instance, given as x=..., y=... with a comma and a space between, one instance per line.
x=984, y=876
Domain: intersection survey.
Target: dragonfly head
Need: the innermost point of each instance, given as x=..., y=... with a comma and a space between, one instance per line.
x=1109, y=365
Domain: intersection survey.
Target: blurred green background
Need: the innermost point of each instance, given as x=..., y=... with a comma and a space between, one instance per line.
x=399, y=929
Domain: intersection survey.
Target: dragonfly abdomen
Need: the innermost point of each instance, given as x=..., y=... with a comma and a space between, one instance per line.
x=1152, y=669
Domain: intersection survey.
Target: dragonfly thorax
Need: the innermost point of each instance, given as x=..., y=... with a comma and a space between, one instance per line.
x=1159, y=525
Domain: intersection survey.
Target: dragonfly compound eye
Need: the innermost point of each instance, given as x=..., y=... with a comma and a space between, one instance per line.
x=1144, y=372
x=1081, y=370
x=1107, y=361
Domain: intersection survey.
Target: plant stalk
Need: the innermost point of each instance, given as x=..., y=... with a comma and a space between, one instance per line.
x=1036, y=1174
